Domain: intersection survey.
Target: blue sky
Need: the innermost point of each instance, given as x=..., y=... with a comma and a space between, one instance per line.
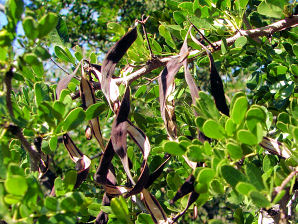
x=3, y=20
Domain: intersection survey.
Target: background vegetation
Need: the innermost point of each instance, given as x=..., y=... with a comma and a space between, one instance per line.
x=244, y=173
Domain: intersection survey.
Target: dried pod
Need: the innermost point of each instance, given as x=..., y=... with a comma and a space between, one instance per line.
x=88, y=133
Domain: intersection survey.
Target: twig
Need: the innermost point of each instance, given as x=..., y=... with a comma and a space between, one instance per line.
x=151, y=80
x=144, y=29
x=33, y=154
x=59, y=66
x=263, y=31
x=202, y=35
x=8, y=78
x=17, y=131
x=284, y=183
x=96, y=156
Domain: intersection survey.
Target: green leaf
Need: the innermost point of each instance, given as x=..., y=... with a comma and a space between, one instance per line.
x=41, y=91
x=232, y=176
x=178, y=17
x=31, y=59
x=74, y=119
x=59, y=187
x=174, y=181
x=235, y=97
x=62, y=30
x=144, y=219
x=294, y=108
x=208, y=148
x=213, y=129
x=280, y=70
x=186, y=6
x=295, y=49
x=279, y=196
x=167, y=35
x=246, y=137
x=217, y=187
x=120, y=209
x=205, y=175
x=53, y=143
x=70, y=180
x=173, y=148
x=239, y=109
x=16, y=185
x=38, y=69
x=195, y=153
x=173, y=4
x=240, y=42
x=155, y=45
x=224, y=46
x=116, y=28
x=64, y=55
x=241, y=4
x=30, y=28
x=234, y=151
x=295, y=134
x=202, y=23
x=78, y=56
x=141, y=91
x=272, y=8
x=94, y=208
x=42, y=53
x=46, y=24
x=201, y=188
x=230, y=127
x=51, y=203
x=15, y=9
x=12, y=199
x=244, y=188
x=269, y=162
x=254, y=176
x=253, y=116
x=203, y=198
x=68, y=204
x=259, y=199
x=207, y=106
x=59, y=106
x=94, y=110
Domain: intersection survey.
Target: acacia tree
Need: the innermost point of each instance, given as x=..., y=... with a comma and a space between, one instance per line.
x=208, y=102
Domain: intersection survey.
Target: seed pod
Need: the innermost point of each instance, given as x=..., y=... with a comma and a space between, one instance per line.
x=108, y=66
x=88, y=133
x=217, y=89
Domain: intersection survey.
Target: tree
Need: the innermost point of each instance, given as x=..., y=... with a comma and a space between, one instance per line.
x=205, y=90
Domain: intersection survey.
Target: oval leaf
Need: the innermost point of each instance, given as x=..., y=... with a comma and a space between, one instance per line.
x=213, y=130
x=46, y=24
x=74, y=119
x=16, y=185
x=247, y=137
x=239, y=109
x=173, y=148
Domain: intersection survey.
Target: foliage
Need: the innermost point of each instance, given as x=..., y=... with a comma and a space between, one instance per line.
x=235, y=165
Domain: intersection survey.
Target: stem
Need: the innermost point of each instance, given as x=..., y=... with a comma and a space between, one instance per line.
x=33, y=154
x=144, y=29
x=8, y=78
x=253, y=33
x=59, y=66
x=287, y=180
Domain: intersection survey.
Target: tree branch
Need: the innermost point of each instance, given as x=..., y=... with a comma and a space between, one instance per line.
x=285, y=181
x=253, y=33
x=7, y=79
x=17, y=131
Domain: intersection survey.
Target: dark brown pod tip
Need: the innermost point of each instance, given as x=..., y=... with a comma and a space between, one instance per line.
x=83, y=165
